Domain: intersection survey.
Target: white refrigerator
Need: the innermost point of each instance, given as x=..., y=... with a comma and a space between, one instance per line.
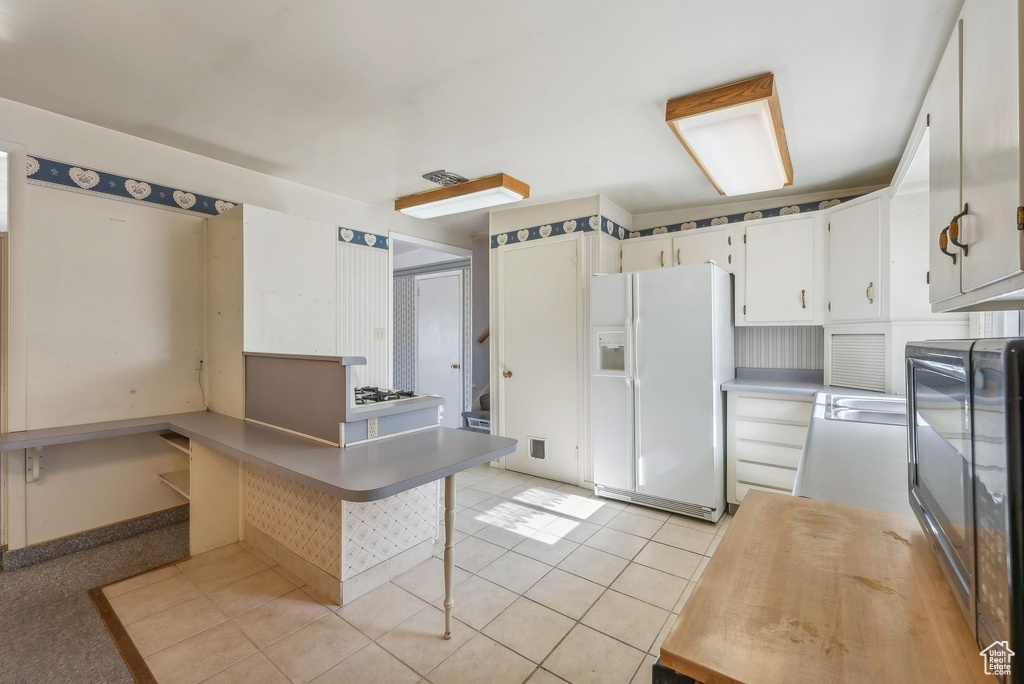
x=661, y=347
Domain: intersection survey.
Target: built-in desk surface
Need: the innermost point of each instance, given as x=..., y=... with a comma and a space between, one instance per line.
x=809, y=591
x=364, y=472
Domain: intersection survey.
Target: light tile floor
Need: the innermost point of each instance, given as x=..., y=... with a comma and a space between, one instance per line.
x=552, y=584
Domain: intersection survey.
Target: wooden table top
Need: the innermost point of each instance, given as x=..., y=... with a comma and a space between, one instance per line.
x=810, y=591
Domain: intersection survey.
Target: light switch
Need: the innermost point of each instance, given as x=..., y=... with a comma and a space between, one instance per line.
x=380, y=334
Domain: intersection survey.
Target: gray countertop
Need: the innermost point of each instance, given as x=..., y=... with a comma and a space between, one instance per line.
x=854, y=463
x=364, y=472
x=772, y=381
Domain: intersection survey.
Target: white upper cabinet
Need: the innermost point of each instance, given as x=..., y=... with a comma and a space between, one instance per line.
x=855, y=269
x=643, y=255
x=991, y=143
x=698, y=246
x=943, y=107
x=780, y=273
x=973, y=108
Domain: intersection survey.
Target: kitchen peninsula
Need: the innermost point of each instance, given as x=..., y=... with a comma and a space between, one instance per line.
x=346, y=519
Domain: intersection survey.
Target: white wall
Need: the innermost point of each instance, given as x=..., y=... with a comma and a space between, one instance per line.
x=107, y=316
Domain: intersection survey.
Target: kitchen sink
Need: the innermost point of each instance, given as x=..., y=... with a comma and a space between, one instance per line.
x=867, y=410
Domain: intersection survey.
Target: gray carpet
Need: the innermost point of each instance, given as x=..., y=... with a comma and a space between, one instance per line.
x=49, y=629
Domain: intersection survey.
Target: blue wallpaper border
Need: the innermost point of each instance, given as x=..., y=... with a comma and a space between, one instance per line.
x=90, y=181
x=591, y=223
x=360, y=238
x=712, y=221
x=585, y=224
x=87, y=180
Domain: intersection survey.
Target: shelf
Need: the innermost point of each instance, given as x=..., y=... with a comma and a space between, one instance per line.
x=177, y=480
x=180, y=442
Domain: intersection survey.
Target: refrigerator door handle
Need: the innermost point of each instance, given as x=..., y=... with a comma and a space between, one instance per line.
x=634, y=343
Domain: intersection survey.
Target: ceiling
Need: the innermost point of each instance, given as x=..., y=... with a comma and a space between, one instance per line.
x=361, y=98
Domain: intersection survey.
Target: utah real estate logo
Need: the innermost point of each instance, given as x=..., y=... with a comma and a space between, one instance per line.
x=997, y=658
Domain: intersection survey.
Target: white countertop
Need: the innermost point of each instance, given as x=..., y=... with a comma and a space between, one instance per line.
x=854, y=463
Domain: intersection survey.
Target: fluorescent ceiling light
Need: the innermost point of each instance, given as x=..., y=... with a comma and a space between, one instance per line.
x=735, y=135
x=481, y=193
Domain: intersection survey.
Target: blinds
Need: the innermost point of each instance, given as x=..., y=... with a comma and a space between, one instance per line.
x=858, y=361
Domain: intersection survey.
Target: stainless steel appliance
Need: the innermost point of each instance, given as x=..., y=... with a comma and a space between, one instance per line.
x=965, y=475
x=662, y=345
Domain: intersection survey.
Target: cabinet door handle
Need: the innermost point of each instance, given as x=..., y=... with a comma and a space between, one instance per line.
x=456, y=366
x=803, y=299
x=678, y=260
x=867, y=293
x=506, y=373
x=944, y=242
x=663, y=258
x=954, y=230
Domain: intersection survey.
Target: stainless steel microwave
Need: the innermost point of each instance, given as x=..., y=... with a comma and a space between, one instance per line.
x=965, y=474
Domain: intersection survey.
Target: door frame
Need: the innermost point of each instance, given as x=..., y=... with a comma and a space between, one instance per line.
x=497, y=353
x=462, y=329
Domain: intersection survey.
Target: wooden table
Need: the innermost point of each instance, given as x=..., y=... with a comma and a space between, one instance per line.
x=809, y=591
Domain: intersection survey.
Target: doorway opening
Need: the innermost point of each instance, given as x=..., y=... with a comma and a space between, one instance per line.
x=432, y=349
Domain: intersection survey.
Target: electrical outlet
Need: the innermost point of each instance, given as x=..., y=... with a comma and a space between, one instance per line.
x=371, y=428
x=380, y=334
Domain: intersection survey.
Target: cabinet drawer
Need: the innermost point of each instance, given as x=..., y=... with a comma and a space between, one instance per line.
x=768, y=476
x=788, y=435
x=770, y=454
x=742, y=489
x=774, y=409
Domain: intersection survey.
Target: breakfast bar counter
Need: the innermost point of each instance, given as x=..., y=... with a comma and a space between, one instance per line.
x=363, y=472
x=345, y=519
x=810, y=591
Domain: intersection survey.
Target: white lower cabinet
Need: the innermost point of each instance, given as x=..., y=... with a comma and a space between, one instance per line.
x=765, y=438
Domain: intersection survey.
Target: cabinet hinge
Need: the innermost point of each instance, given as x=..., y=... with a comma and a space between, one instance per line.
x=744, y=238
x=744, y=309
x=828, y=227
x=730, y=239
x=927, y=119
x=575, y=259
x=1020, y=218
x=928, y=278
x=830, y=306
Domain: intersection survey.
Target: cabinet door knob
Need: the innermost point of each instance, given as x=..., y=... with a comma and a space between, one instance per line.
x=944, y=242
x=803, y=299
x=507, y=373
x=456, y=366
x=678, y=262
x=867, y=293
x=663, y=258
x=954, y=230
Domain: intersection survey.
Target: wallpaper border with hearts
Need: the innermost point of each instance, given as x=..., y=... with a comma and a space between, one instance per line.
x=712, y=221
x=52, y=173
x=585, y=224
x=360, y=238
x=89, y=181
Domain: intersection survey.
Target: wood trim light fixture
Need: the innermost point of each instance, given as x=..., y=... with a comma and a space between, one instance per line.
x=735, y=135
x=489, y=191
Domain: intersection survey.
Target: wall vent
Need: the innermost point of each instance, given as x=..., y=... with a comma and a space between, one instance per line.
x=858, y=362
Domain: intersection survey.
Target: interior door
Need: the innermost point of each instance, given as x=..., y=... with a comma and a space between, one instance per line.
x=673, y=384
x=642, y=255
x=439, y=339
x=991, y=143
x=697, y=246
x=855, y=262
x=780, y=272
x=944, y=170
x=537, y=360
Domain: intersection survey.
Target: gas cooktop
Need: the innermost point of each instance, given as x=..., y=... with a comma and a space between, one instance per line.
x=374, y=395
